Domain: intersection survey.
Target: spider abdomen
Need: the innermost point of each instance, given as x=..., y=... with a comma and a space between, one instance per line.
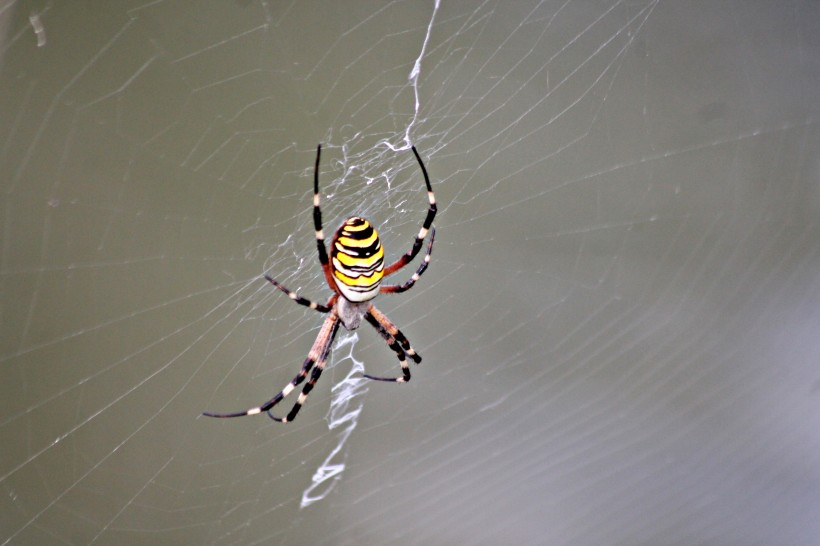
x=357, y=260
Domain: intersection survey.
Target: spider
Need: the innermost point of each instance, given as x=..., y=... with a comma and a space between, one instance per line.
x=354, y=271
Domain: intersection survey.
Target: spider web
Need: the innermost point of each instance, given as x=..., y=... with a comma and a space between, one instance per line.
x=619, y=325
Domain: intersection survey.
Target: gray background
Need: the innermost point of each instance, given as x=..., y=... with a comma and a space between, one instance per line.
x=619, y=326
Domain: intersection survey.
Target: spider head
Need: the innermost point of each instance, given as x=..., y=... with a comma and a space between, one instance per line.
x=357, y=260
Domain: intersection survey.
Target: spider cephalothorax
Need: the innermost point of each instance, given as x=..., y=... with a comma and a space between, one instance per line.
x=354, y=271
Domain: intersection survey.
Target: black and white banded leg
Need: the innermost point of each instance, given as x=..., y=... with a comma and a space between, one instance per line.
x=317, y=355
x=396, y=341
x=303, y=301
x=398, y=288
x=428, y=221
x=324, y=260
x=317, y=371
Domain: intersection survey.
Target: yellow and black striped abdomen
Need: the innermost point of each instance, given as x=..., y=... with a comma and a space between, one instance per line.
x=357, y=260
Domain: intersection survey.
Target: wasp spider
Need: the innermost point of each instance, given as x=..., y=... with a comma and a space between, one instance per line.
x=354, y=271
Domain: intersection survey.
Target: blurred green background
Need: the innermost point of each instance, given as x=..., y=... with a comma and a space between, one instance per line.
x=619, y=326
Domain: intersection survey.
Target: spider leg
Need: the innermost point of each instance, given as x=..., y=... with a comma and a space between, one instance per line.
x=428, y=221
x=397, y=288
x=317, y=224
x=317, y=355
x=303, y=301
x=396, y=341
x=322, y=347
x=393, y=330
